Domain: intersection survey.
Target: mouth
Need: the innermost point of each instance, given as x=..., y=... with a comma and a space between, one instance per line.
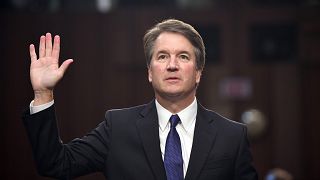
x=172, y=79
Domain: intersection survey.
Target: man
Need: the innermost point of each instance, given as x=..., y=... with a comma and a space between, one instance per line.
x=141, y=142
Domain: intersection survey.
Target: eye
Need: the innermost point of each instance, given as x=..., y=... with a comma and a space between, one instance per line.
x=184, y=57
x=162, y=57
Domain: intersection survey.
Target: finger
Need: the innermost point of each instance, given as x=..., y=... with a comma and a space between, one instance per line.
x=64, y=66
x=56, y=47
x=48, y=44
x=42, y=46
x=33, y=55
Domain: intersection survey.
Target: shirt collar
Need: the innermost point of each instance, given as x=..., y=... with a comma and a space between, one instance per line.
x=187, y=115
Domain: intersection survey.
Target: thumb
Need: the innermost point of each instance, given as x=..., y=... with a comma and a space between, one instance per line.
x=64, y=66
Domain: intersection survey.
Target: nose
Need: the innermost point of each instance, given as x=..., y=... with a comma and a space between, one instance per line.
x=173, y=64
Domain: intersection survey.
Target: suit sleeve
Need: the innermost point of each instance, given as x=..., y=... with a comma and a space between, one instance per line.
x=65, y=161
x=244, y=166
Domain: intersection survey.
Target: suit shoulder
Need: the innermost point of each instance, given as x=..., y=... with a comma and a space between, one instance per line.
x=126, y=112
x=224, y=120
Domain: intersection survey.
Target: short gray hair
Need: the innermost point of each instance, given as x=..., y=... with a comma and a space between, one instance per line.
x=175, y=26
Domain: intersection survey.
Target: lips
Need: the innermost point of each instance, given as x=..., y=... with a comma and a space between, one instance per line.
x=172, y=79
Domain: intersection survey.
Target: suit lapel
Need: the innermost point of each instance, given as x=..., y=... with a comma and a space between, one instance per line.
x=203, y=140
x=148, y=128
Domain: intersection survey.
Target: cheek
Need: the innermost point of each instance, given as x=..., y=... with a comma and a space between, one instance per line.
x=156, y=71
x=153, y=72
x=192, y=74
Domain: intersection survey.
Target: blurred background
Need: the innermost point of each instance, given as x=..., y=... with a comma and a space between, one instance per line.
x=262, y=69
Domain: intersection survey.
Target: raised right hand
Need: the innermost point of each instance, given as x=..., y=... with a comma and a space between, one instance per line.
x=45, y=72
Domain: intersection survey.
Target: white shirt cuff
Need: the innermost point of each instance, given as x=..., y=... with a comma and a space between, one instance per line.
x=35, y=109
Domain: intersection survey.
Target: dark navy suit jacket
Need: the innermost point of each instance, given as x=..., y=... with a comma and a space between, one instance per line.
x=126, y=145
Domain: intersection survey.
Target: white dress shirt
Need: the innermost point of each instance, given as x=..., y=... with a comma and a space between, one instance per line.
x=185, y=129
x=35, y=109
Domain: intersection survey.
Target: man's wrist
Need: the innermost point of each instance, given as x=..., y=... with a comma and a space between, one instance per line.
x=42, y=97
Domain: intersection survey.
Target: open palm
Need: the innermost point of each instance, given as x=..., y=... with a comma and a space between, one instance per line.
x=45, y=72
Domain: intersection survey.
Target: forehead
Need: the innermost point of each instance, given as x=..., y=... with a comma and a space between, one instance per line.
x=172, y=42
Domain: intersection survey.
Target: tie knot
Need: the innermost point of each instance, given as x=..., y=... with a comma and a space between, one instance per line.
x=174, y=120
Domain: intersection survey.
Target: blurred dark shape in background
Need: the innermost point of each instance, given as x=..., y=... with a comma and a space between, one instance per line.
x=256, y=123
x=91, y=5
x=278, y=174
x=274, y=42
x=211, y=38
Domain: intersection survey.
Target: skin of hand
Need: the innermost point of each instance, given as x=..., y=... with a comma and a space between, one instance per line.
x=45, y=72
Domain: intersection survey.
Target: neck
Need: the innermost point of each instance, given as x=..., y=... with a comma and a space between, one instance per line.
x=175, y=104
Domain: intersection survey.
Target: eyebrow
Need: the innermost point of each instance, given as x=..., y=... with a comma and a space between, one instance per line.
x=184, y=52
x=179, y=52
x=162, y=52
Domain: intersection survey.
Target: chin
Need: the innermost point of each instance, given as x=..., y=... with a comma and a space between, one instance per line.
x=172, y=94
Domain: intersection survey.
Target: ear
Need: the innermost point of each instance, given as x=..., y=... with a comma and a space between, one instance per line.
x=198, y=76
x=149, y=74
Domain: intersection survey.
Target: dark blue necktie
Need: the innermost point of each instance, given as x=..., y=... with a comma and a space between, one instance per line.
x=173, y=155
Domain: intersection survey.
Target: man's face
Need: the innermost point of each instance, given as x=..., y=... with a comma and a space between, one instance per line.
x=172, y=69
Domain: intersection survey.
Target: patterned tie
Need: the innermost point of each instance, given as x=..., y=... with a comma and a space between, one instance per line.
x=173, y=156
